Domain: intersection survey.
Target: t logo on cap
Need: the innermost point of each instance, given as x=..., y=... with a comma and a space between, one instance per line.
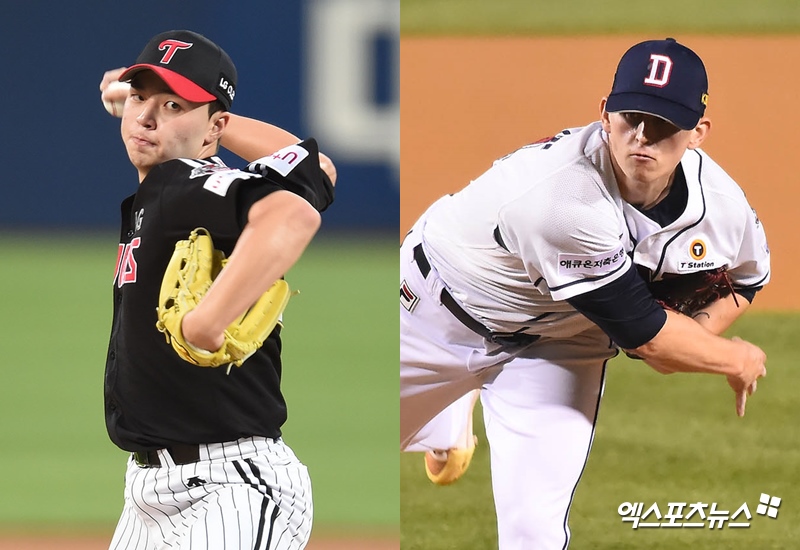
x=202, y=73
x=172, y=46
x=658, y=61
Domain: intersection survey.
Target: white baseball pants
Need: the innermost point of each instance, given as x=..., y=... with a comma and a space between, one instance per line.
x=540, y=404
x=243, y=495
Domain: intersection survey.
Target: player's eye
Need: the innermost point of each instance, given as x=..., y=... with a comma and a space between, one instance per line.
x=633, y=119
x=172, y=106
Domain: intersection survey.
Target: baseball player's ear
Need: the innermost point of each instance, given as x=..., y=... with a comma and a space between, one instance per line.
x=700, y=133
x=218, y=123
x=604, y=119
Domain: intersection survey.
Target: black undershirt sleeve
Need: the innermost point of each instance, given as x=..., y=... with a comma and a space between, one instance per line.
x=625, y=310
x=748, y=293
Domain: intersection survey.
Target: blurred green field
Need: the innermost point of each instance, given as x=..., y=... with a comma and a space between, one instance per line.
x=60, y=471
x=659, y=439
x=524, y=17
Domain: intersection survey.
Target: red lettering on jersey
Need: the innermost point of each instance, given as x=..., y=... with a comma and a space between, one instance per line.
x=127, y=268
x=120, y=250
x=172, y=46
x=660, y=71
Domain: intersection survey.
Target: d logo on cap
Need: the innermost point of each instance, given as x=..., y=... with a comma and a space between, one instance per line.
x=659, y=61
x=661, y=78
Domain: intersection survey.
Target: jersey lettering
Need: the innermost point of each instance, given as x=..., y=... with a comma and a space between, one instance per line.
x=696, y=266
x=590, y=264
x=120, y=252
x=139, y=219
x=127, y=268
x=555, y=138
x=545, y=142
x=660, y=71
x=172, y=46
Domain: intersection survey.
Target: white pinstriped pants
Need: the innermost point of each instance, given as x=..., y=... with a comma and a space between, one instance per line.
x=249, y=494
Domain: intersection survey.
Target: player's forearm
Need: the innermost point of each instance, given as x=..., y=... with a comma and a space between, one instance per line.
x=683, y=346
x=252, y=139
x=718, y=316
x=280, y=227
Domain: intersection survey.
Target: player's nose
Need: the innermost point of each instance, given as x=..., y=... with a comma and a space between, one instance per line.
x=145, y=117
x=641, y=132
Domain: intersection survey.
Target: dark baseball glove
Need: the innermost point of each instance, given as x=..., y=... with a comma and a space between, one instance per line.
x=194, y=266
x=691, y=292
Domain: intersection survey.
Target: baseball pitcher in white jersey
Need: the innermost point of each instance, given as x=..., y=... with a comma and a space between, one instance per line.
x=622, y=234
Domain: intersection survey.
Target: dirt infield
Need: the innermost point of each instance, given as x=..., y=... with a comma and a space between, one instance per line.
x=468, y=101
x=52, y=542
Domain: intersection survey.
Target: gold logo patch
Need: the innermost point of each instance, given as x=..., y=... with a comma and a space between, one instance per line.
x=697, y=250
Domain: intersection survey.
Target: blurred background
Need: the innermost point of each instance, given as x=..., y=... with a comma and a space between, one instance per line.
x=322, y=68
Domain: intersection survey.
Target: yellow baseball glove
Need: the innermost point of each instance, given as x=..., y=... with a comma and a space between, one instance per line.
x=194, y=266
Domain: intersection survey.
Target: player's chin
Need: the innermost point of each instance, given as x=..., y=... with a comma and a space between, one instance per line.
x=141, y=161
x=645, y=171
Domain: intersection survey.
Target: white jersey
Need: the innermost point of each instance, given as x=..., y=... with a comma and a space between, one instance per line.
x=547, y=223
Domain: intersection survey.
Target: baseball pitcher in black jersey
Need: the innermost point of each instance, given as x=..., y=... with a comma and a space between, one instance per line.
x=208, y=468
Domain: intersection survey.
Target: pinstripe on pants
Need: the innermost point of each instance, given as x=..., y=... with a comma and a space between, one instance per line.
x=249, y=494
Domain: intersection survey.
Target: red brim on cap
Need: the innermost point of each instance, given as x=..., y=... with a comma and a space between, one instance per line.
x=181, y=85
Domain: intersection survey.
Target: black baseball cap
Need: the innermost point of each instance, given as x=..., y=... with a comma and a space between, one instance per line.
x=193, y=66
x=661, y=78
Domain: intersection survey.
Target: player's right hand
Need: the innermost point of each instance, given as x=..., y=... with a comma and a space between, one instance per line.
x=111, y=76
x=113, y=94
x=744, y=384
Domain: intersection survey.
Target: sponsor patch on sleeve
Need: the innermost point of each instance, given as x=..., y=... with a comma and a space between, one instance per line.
x=590, y=264
x=285, y=160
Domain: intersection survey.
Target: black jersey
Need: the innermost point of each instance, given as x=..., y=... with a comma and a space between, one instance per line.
x=154, y=399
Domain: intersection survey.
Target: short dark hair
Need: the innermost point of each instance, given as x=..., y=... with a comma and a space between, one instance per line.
x=215, y=107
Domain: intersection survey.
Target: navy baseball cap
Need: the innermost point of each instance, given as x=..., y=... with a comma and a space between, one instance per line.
x=193, y=66
x=661, y=78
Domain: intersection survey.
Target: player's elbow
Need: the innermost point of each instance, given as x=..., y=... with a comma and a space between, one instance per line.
x=309, y=219
x=301, y=219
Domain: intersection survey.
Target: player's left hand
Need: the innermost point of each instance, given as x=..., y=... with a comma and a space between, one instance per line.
x=191, y=271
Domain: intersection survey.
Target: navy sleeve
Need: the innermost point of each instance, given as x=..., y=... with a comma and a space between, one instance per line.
x=625, y=310
x=748, y=293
